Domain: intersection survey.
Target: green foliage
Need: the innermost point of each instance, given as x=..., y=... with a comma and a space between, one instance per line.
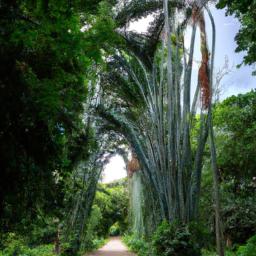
x=98, y=242
x=50, y=54
x=238, y=210
x=108, y=207
x=234, y=123
x=112, y=200
x=245, y=38
x=43, y=250
x=171, y=239
x=175, y=239
x=92, y=228
x=43, y=81
x=114, y=230
x=239, y=216
x=16, y=246
x=138, y=245
x=208, y=253
x=249, y=249
x=41, y=232
x=235, y=120
x=212, y=253
x=201, y=234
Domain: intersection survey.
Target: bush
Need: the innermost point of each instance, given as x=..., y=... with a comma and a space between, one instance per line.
x=15, y=246
x=249, y=249
x=42, y=250
x=239, y=216
x=42, y=233
x=213, y=253
x=99, y=242
x=115, y=230
x=138, y=245
x=201, y=235
x=91, y=229
x=174, y=240
x=208, y=253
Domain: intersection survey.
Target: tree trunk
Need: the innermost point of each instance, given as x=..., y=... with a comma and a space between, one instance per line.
x=57, y=249
x=219, y=234
x=216, y=193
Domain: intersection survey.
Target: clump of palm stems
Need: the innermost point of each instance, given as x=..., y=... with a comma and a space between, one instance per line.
x=154, y=106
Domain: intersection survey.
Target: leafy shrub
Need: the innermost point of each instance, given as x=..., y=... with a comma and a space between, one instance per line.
x=112, y=200
x=138, y=245
x=91, y=229
x=15, y=246
x=98, y=242
x=208, y=253
x=174, y=240
x=249, y=249
x=201, y=235
x=239, y=215
x=42, y=250
x=115, y=230
x=43, y=233
x=211, y=253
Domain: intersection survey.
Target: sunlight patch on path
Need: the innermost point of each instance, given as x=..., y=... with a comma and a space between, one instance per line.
x=114, y=247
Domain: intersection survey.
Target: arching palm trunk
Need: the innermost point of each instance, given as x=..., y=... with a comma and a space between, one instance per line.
x=218, y=223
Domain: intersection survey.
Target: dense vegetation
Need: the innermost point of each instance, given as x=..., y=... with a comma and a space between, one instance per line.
x=46, y=135
x=78, y=87
x=234, y=123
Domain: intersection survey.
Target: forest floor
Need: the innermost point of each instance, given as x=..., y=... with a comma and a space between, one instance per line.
x=114, y=247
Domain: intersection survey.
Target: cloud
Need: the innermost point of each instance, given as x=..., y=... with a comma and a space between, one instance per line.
x=114, y=170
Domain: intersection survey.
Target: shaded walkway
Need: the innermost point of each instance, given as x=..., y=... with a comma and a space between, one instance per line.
x=114, y=247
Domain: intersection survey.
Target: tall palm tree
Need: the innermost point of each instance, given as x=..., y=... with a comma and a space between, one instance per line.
x=150, y=86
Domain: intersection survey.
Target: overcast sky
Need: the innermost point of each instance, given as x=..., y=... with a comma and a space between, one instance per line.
x=238, y=81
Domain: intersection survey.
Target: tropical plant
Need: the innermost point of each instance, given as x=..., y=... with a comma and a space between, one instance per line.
x=138, y=245
x=175, y=239
x=49, y=53
x=248, y=249
x=149, y=85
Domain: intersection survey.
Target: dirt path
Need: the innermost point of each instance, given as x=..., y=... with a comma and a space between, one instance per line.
x=114, y=247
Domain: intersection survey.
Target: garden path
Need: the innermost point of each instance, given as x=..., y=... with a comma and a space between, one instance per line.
x=114, y=247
